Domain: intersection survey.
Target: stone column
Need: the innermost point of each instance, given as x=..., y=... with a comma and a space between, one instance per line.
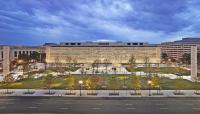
x=194, y=63
x=6, y=60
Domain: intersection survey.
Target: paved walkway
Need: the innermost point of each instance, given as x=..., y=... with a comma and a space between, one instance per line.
x=100, y=93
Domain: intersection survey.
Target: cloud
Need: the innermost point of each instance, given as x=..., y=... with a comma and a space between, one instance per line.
x=81, y=20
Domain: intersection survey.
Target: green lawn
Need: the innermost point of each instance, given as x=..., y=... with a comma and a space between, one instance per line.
x=110, y=81
x=163, y=70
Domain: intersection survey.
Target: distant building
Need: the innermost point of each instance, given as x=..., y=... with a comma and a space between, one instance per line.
x=176, y=49
x=10, y=53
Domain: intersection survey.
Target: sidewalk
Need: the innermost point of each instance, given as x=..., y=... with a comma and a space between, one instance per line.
x=100, y=93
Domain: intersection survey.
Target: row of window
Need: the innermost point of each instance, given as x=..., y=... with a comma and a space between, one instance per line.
x=104, y=43
x=72, y=43
x=134, y=43
x=16, y=53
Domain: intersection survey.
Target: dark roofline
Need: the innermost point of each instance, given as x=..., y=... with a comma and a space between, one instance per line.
x=105, y=46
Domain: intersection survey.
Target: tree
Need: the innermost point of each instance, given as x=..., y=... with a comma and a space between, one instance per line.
x=26, y=67
x=43, y=57
x=69, y=63
x=34, y=56
x=102, y=82
x=57, y=64
x=90, y=83
x=48, y=80
x=106, y=64
x=114, y=84
x=74, y=62
x=178, y=69
x=147, y=65
x=132, y=62
x=70, y=83
x=23, y=57
x=82, y=70
x=197, y=87
x=96, y=64
x=28, y=84
x=7, y=80
x=186, y=59
x=164, y=57
x=24, y=60
x=136, y=84
x=156, y=83
x=179, y=84
x=93, y=68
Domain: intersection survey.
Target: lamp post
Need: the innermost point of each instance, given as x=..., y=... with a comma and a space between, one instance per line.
x=149, y=84
x=80, y=84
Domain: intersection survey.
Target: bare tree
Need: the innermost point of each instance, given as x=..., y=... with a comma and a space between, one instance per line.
x=137, y=84
x=156, y=84
x=147, y=65
x=106, y=63
x=74, y=62
x=96, y=64
x=132, y=62
x=48, y=80
x=6, y=81
x=69, y=63
x=57, y=64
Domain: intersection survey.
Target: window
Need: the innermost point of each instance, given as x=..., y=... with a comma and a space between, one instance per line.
x=135, y=43
x=128, y=43
x=141, y=43
x=2, y=54
x=103, y=43
x=15, y=54
x=73, y=43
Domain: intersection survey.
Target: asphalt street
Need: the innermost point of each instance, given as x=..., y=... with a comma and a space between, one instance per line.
x=66, y=105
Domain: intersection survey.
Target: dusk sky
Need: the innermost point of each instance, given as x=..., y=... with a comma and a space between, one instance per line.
x=33, y=22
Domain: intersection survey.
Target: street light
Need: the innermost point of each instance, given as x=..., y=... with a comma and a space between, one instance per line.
x=149, y=84
x=80, y=84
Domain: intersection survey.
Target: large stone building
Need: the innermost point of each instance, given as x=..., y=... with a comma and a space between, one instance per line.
x=115, y=52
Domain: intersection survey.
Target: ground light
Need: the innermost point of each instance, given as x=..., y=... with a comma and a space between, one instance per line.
x=80, y=82
x=149, y=84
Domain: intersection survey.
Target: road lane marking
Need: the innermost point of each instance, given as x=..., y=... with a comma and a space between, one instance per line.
x=196, y=108
x=160, y=104
x=2, y=107
x=32, y=107
x=67, y=103
x=65, y=108
x=128, y=104
x=95, y=108
x=39, y=103
x=9, y=103
x=99, y=104
x=189, y=104
x=130, y=108
x=163, y=108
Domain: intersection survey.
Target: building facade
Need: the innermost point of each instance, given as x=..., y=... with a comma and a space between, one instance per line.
x=114, y=52
x=176, y=49
x=10, y=53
